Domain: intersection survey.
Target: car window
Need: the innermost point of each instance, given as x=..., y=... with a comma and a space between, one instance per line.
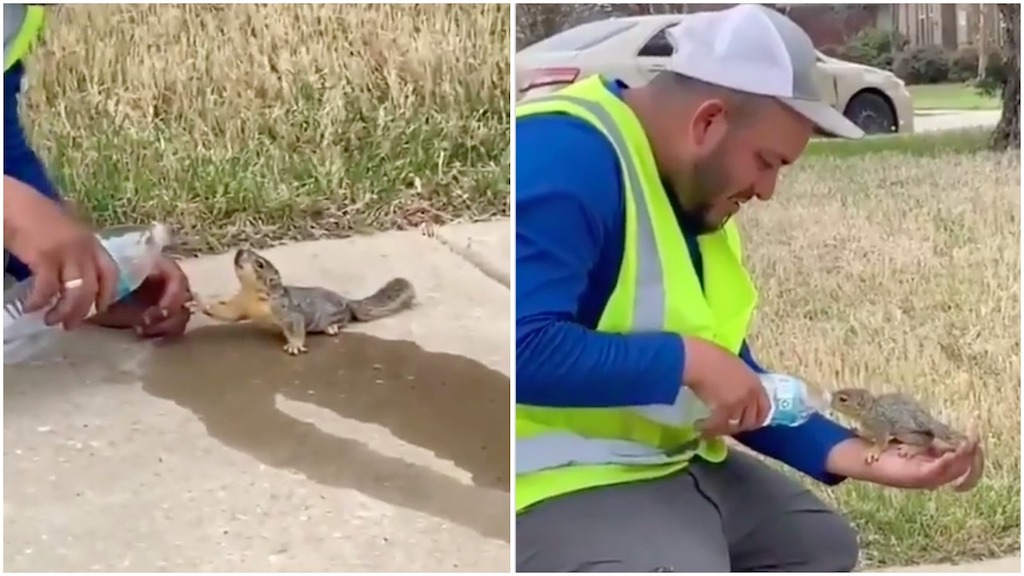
x=658, y=45
x=581, y=37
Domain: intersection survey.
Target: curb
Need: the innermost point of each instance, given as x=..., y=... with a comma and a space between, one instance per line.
x=467, y=252
x=1009, y=564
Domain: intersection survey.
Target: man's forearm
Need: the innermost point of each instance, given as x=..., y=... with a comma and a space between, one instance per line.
x=560, y=363
x=848, y=459
x=805, y=448
x=15, y=193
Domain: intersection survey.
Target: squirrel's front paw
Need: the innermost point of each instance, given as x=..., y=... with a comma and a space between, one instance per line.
x=428, y=229
x=294, y=348
x=873, y=455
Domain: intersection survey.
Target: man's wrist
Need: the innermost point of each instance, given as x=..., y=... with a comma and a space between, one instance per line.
x=695, y=357
x=849, y=459
x=14, y=194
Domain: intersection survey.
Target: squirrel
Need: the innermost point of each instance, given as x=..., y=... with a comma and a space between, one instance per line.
x=299, y=310
x=884, y=418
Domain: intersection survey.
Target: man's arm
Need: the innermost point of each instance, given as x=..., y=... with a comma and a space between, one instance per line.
x=23, y=169
x=805, y=448
x=568, y=198
x=20, y=161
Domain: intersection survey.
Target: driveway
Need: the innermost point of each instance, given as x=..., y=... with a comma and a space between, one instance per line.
x=385, y=449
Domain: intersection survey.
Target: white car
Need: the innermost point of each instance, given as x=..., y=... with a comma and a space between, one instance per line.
x=636, y=48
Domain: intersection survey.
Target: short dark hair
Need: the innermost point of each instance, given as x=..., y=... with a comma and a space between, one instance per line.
x=744, y=103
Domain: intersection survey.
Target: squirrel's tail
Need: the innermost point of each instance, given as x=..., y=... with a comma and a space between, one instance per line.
x=393, y=297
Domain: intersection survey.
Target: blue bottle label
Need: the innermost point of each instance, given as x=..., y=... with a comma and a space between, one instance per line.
x=124, y=287
x=788, y=396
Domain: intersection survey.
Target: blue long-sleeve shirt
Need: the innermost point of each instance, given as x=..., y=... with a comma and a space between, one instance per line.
x=569, y=244
x=20, y=161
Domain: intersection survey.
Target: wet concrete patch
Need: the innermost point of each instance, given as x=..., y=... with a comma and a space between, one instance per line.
x=229, y=377
x=90, y=356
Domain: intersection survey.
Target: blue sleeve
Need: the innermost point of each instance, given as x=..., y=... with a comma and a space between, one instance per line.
x=20, y=160
x=747, y=357
x=805, y=447
x=567, y=196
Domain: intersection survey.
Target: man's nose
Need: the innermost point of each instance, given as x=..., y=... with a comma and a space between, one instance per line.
x=764, y=188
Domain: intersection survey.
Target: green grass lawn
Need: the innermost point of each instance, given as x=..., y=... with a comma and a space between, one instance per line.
x=950, y=97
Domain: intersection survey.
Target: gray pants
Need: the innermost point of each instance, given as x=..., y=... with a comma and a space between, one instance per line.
x=737, y=516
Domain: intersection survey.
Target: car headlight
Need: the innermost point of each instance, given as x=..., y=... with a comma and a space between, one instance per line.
x=894, y=78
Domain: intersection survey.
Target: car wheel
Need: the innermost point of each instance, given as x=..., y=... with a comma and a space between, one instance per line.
x=872, y=113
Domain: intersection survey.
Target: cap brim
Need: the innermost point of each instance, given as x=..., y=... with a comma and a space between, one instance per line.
x=825, y=117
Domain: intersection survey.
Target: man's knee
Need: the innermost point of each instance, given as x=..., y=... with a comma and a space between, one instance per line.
x=830, y=544
x=808, y=539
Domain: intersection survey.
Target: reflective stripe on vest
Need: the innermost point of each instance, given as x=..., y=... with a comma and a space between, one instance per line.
x=649, y=300
x=22, y=26
x=565, y=448
x=549, y=451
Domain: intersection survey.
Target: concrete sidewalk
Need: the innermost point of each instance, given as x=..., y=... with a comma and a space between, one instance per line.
x=941, y=120
x=384, y=449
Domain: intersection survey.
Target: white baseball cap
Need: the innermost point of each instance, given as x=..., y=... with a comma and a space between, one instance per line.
x=754, y=49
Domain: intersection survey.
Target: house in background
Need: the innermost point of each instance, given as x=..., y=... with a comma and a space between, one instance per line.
x=951, y=26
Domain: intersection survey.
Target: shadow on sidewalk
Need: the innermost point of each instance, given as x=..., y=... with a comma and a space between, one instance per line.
x=230, y=377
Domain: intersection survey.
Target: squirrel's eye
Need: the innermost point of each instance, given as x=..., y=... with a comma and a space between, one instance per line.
x=842, y=399
x=259, y=264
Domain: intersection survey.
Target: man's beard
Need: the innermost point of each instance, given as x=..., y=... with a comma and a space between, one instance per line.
x=705, y=183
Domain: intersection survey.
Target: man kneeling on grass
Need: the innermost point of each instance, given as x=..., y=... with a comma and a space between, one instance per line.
x=48, y=243
x=630, y=286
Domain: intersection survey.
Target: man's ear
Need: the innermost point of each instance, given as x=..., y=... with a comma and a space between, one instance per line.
x=709, y=126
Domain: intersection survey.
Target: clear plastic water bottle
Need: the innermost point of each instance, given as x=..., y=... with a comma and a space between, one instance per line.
x=792, y=400
x=134, y=249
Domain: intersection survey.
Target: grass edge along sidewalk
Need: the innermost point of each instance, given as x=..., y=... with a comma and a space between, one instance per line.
x=962, y=141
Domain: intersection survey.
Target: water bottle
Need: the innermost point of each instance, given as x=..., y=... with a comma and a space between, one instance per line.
x=134, y=250
x=792, y=400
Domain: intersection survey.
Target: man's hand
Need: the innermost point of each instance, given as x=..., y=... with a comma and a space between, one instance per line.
x=730, y=389
x=926, y=471
x=157, y=308
x=66, y=259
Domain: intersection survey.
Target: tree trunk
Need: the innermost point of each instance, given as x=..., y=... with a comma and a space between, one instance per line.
x=1007, y=133
x=983, y=47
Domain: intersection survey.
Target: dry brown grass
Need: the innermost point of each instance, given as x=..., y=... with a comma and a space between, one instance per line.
x=902, y=273
x=241, y=123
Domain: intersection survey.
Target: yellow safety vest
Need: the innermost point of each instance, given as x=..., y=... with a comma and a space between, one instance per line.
x=18, y=44
x=562, y=450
